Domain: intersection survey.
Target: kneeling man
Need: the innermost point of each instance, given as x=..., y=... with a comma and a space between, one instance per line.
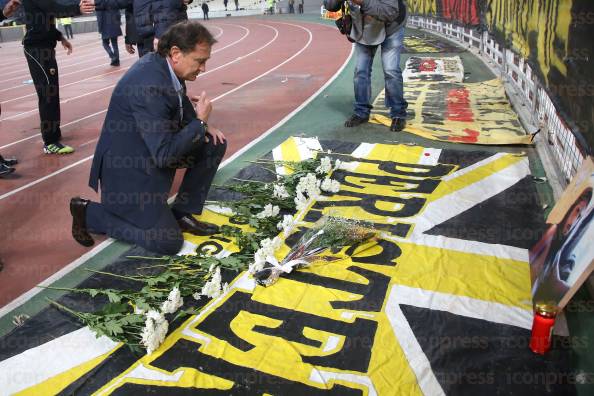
x=151, y=129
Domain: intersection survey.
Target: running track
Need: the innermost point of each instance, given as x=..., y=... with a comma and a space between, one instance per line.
x=260, y=71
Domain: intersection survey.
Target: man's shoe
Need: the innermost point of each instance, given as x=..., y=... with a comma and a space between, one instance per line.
x=189, y=224
x=8, y=161
x=398, y=124
x=115, y=62
x=57, y=148
x=354, y=121
x=5, y=169
x=78, y=210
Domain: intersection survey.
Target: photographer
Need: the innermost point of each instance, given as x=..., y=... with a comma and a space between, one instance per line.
x=376, y=23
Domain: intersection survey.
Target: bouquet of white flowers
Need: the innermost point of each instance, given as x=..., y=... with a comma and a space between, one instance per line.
x=328, y=232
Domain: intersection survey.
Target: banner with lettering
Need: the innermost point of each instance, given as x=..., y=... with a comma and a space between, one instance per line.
x=440, y=304
x=472, y=113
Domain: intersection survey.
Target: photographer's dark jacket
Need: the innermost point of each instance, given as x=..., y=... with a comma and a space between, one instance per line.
x=40, y=20
x=374, y=20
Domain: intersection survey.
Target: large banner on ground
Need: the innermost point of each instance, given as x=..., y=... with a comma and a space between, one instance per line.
x=433, y=69
x=417, y=43
x=439, y=304
x=473, y=113
x=553, y=35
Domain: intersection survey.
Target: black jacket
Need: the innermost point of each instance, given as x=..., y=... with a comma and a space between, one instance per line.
x=108, y=22
x=2, y=17
x=40, y=20
x=167, y=13
x=152, y=17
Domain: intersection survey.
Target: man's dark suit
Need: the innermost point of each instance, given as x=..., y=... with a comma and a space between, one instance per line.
x=143, y=142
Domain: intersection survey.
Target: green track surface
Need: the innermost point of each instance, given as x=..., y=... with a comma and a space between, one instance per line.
x=324, y=118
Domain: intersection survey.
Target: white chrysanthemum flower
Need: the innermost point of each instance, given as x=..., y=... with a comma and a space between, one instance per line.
x=212, y=288
x=269, y=211
x=308, y=185
x=330, y=185
x=267, y=248
x=280, y=191
x=300, y=201
x=197, y=296
x=325, y=166
x=337, y=164
x=286, y=225
x=154, y=331
x=173, y=303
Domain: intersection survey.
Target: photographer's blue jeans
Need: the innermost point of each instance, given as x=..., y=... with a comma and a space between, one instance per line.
x=395, y=101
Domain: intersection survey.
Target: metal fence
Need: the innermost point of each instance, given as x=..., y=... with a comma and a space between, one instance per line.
x=567, y=153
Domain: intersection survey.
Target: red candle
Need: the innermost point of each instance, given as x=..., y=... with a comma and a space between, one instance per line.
x=542, y=328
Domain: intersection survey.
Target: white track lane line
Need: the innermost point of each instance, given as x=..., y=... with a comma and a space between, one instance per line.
x=76, y=54
x=72, y=83
x=62, y=61
x=111, y=86
x=20, y=47
x=23, y=298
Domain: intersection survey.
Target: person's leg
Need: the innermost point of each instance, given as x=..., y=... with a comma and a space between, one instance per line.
x=116, y=51
x=201, y=167
x=145, y=46
x=362, y=79
x=107, y=48
x=395, y=101
x=44, y=72
x=164, y=237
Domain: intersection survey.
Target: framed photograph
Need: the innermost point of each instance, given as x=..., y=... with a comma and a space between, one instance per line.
x=563, y=258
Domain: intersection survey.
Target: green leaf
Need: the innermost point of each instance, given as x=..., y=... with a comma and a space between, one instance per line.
x=113, y=296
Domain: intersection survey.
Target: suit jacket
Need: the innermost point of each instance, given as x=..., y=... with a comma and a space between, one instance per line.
x=143, y=140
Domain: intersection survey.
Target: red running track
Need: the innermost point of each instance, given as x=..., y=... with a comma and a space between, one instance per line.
x=259, y=72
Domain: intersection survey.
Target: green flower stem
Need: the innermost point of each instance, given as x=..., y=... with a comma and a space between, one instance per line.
x=149, y=258
x=65, y=308
x=115, y=275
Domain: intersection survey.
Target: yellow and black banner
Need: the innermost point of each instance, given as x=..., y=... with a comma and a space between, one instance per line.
x=471, y=113
x=440, y=304
x=423, y=43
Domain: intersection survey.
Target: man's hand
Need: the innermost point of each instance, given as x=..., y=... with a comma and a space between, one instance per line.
x=67, y=46
x=11, y=7
x=203, y=106
x=155, y=44
x=130, y=48
x=216, y=135
x=87, y=6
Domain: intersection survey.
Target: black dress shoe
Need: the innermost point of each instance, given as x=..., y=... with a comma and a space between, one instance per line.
x=354, y=121
x=115, y=62
x=189, y=224
x=78, y=210
x=5, y=169
x=398, y=124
